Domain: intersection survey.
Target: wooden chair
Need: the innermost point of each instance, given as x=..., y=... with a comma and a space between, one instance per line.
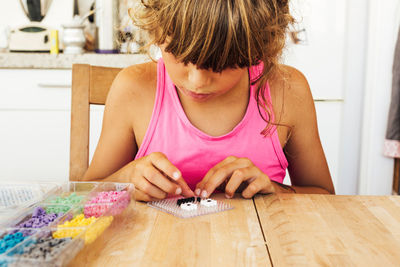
x=90, y=85
x=396, y=177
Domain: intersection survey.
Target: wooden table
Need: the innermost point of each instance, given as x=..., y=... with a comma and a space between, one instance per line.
x=273, y=230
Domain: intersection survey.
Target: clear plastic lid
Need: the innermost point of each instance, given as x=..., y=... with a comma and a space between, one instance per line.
x=16, y=196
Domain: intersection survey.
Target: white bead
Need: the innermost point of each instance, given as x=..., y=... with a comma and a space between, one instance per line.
x=208, y=202
x=189, y=206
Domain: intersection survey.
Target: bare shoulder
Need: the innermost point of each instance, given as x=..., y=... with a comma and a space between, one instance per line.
x=131, y=99
x=295, y=82
x=133, y=84
x=130, y=90
x=291, y=91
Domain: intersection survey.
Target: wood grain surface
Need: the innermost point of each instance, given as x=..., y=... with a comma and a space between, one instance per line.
x=326, y=230
x=144, y=236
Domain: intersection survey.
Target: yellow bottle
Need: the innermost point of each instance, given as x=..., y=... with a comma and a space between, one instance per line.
x=54, y=42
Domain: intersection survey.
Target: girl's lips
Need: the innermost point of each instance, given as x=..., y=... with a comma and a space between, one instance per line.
x=195, y=95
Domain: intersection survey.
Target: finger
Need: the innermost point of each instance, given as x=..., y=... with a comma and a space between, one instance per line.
x=210, y=173
x=222, y=186
x=160, y=161
x=261, y=184
x=156, y=178
x=238, y=177
x=150, y=189
x=186, y=191
x=141, y=196
x=221, y=174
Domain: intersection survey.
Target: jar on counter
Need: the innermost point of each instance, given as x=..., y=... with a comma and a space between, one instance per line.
x=74, y=37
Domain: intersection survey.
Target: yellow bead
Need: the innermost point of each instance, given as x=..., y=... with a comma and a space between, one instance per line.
x=97, y=229
x=94, y=227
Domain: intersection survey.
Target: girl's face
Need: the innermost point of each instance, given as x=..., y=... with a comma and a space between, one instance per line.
x=202, y=85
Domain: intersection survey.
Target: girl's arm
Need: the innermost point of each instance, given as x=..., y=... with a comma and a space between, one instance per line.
x=308, y=168
x=117, y=145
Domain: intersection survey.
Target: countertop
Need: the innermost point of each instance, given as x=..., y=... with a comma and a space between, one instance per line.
x=63, y=61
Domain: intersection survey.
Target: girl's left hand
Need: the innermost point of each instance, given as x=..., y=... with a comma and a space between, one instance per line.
x=234, y=171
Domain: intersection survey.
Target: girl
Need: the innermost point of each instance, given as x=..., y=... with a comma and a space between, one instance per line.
x=217, y=112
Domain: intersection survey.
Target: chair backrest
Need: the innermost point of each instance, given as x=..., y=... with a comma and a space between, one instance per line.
x=396, y=177
x=90, y=85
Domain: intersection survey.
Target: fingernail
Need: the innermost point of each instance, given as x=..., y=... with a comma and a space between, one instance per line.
x=176, y=175
x=227, y=196
x=178, y=191
x=197, y=192
x=204, y=194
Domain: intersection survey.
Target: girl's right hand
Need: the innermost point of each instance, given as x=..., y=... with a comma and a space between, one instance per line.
x=154, y=177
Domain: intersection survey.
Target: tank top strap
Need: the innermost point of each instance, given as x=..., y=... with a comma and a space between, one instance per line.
x=158, y=102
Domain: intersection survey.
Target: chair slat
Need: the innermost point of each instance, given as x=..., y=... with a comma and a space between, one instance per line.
x=101, y=79
x=90, y=85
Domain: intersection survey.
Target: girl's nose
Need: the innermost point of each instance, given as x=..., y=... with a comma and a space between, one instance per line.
x=198, y=78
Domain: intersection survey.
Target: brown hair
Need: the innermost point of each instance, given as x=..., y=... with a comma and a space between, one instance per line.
x=220, y=34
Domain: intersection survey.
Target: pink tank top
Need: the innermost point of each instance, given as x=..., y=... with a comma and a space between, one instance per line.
x=193, y=152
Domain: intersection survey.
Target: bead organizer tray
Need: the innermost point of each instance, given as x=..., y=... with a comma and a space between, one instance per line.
x=190, y=207
x=52, y=231
x=16, y=196
x=39, y=248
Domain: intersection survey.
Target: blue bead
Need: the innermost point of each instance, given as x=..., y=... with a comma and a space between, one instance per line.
x=18, y=234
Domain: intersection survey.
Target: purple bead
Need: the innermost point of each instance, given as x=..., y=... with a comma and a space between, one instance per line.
x=37, y=212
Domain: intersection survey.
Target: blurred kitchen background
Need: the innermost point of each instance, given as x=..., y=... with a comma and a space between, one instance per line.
x=345, y=48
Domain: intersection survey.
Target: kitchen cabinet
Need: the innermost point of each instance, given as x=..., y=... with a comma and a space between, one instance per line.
x=34, y=145
x=35, y=124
